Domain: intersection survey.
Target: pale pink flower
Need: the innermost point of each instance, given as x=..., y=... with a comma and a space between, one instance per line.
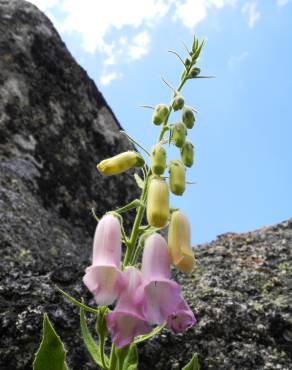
x=103, y=278
x=162, y=295
x=181, y=318
x=127, y=319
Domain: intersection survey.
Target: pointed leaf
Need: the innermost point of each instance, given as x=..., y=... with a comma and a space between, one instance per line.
x=89, y=342
x=131, y=361
x=197, y=53
x=51, y=354
x=193, y=364
x=139, y=181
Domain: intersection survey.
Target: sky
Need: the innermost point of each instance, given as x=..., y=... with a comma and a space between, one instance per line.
x=243, y=131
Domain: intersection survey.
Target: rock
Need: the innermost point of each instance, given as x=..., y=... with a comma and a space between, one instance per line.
x=243, y=304
x=55, y=126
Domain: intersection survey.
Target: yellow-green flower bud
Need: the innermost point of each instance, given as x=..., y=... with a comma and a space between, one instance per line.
x=158, y=159
x=179, y=242
x=188, y=117
x=159, y=114
x=120, y=163
x=179, y=132
x=158, y=202
x=178, y=103
x=187, y=154
x=177, y=177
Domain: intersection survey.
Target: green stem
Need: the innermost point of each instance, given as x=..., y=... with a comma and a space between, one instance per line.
x=135, y=142
x=137, y=223
x=113, y=359
x=101, y=348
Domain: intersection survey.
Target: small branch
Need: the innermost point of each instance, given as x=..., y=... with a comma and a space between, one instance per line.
x=134, y=204
x=204, y=77
x=147, y=106
x=135, y=142
x=179, y=57
x=169, y=85
x=94, y=214
x=185, y=46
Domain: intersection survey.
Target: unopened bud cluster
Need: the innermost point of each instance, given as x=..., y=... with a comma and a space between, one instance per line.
x=176, y=168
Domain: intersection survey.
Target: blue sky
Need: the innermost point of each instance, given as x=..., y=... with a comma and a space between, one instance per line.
x=244, y=127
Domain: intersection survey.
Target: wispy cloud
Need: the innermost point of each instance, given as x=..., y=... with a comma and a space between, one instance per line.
x=283, y=2
x=140, y=45
x=107, y=77
x=250, y=10
x=235, y=60
x=192, y=12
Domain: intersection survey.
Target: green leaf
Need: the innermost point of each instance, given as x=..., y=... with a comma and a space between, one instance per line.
x=51, y=354
x=139, y=181
x=197, y=53
x=193, y=364
x=89, y=342
x=131, y=361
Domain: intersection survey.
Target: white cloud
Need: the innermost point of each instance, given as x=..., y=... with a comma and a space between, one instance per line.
x=192, y=12
x=96, y=19
x=282, y=2
x=107, y=78
x=250, y=10
x=140, y=45
x=235, y=60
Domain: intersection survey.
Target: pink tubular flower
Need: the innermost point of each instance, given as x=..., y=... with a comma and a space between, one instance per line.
x=162, y=295
x=181, y=318
x=103, y=278
x=127, y=320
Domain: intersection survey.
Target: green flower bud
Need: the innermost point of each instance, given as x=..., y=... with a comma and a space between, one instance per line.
x=195, y=72
x=158, y=159
x=187, y=154
x=100, y=323
x=158, y=202
x=178, y=103
x=159, y=114
x=177, y=177
x=188, y=117
x=178, y=132
x=187, y=62
x=120, y=163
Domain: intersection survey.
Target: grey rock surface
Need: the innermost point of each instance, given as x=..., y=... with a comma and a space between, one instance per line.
x=241, y=293
x=54, y=127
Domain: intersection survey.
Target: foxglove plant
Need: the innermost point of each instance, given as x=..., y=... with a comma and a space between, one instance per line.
x=143, y=298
